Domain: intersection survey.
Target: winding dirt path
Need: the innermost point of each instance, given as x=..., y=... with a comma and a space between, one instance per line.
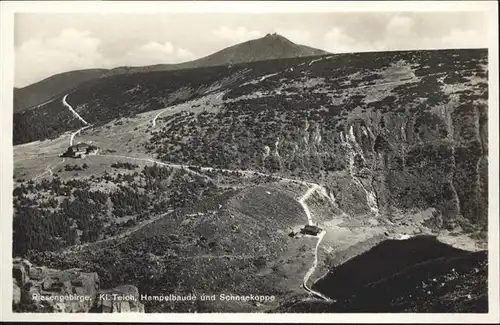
x=75, y=114
x=314, y=188
x=303, y=199
x=71, y=139
x=76, y=133
x=313, y=268
x=157, y=115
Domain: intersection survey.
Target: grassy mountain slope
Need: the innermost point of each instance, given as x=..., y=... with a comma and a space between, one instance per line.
x=46, y=89
x=272, y=46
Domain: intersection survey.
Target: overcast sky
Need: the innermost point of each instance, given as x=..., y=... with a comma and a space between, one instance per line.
x=47, y=44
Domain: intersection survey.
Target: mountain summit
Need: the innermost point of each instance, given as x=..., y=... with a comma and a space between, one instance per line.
x=270, y=47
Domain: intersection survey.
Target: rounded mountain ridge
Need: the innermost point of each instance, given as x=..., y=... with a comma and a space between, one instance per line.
x=270, y=47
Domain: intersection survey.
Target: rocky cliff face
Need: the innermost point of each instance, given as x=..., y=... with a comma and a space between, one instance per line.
x=403, y=162
x=41, y=289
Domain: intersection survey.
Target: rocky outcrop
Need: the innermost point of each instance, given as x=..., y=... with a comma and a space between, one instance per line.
x=42, y=289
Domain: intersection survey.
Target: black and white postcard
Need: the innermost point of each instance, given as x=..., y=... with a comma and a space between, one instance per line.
x=293, y=161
